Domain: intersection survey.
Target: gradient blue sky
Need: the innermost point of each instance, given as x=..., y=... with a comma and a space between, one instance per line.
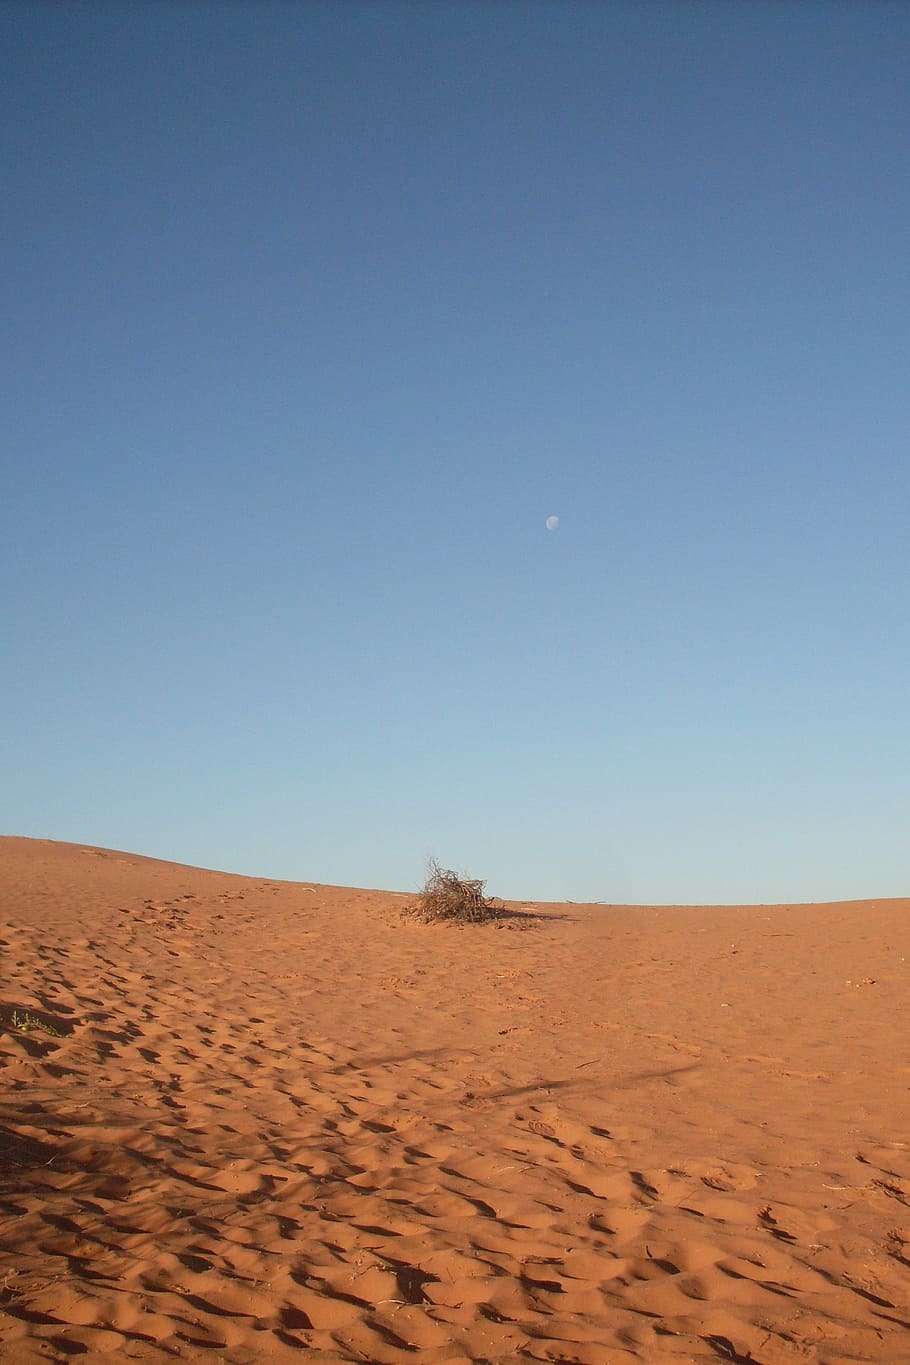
x=312, y=314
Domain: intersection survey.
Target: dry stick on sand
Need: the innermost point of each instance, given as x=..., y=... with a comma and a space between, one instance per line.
x=446, y=896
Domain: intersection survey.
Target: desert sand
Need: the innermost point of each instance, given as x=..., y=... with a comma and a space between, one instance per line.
x=283, y=1121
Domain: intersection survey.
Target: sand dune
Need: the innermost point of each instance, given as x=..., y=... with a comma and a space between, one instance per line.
x=280, y=1121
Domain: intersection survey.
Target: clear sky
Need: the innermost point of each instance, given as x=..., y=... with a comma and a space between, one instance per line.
x=313, y=314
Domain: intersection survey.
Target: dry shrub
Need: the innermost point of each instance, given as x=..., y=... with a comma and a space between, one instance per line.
x=446, y=896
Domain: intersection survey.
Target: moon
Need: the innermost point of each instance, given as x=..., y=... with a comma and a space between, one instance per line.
x=552, y=523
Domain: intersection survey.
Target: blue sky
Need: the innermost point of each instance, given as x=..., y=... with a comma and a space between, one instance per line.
x=313, y=314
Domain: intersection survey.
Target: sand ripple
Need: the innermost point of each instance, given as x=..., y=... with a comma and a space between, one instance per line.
x=275, y=1118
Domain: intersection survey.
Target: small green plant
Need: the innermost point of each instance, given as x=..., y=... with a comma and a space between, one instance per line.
x=26, y=1022
x=446, y=896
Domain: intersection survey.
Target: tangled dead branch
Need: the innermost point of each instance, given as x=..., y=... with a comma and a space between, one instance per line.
x=446, y=896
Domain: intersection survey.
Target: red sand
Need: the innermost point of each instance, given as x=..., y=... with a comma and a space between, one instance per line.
x=282, y=1122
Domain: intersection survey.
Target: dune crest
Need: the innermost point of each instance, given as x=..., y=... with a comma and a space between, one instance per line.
x=243, y=1119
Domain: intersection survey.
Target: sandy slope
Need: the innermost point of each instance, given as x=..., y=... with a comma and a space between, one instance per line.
x=283, y=1122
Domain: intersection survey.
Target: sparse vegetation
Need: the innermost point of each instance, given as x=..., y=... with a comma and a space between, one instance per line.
x=447, y=896
x=26, y=1022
